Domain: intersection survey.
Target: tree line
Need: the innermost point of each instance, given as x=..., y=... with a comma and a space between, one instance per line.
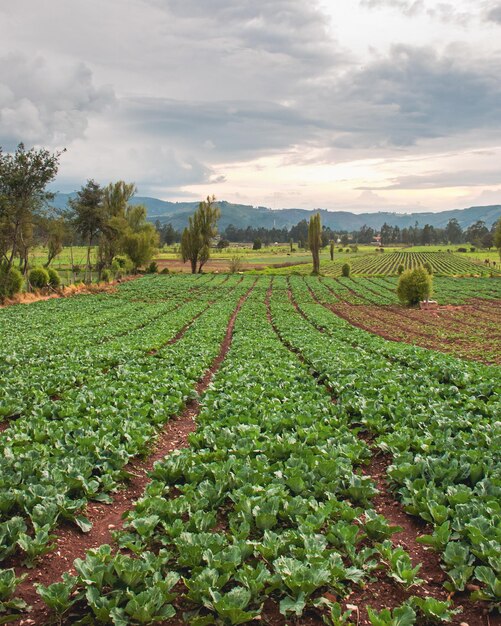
x=478, y=235
x=97, y=216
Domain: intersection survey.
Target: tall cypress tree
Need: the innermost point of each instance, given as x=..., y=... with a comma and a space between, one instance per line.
x=315, y=241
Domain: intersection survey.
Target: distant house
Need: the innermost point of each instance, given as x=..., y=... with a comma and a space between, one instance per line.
x=376, y=240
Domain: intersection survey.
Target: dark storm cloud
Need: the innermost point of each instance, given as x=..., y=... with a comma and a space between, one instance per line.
x=410, y=95
x=494, y=14
x=416, y=94
x=228, y=129
x=44, y=103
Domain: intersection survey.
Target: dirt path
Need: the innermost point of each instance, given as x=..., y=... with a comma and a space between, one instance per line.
x=106, y=518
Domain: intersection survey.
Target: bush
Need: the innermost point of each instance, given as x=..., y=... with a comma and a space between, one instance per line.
x=152, y=268
x=462, y=250
x=235, y=264
x=340, y=249
x=121, y=265
x=11, y=281
x=54, y=278
x=106, y=275
x=346, y=269
x=400, y=269
x=38, y=277
x=257, y=245
x=414, y=285
x=427, y=266
x=165, y=271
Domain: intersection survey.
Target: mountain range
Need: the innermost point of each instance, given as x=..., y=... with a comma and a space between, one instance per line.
x=243, y=215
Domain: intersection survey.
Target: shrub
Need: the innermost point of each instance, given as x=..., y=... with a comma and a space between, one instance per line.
x=11, y=281
x=235, y=264
x=121, y=265
x=346, y=269
x=414, y=285
x=54, y=278
x=462, y=250
x=152, y=268
x=472, y=249
x=340, y=249
x=427, y=266
x=106, y=275
x=38, y=277
x=165, y=271
x=257, y=245
x=400, y=269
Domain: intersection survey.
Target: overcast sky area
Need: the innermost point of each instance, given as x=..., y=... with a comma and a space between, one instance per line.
x=339, y=104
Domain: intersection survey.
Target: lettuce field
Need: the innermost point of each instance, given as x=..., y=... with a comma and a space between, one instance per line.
x=252, y=449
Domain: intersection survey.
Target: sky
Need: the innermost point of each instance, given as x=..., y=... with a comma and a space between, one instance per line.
x=359, y=105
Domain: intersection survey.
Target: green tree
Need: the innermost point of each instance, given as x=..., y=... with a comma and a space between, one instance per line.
x=453, y=231
x=196, y=237
x=24, y=177
x=315, y=241
x=140, y=240
x=116, y=197
x=257, y=244
x=89, y=217
x=57, y=231
x=414, y=285
x=497, y=236
x=331, y=249
x=476, y=232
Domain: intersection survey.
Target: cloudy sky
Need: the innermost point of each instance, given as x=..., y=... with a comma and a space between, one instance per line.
x=340, y=104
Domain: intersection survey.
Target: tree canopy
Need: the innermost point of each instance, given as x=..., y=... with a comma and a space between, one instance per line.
x=197, y=236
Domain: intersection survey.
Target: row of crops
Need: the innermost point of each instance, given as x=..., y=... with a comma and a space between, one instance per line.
x=388, y=264
x=382, y=290
x=76, y=417
x=442, y=263
x=270, y=501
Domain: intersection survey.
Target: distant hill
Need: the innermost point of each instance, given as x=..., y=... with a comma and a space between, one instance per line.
x=243, y=215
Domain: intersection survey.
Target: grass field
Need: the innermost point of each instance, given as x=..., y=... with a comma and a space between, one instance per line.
x=229, y=449
x=270, y=259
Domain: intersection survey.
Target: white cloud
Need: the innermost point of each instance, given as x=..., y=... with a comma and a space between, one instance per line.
x=45, y=103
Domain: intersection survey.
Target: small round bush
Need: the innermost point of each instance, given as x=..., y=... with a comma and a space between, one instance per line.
x=413, y=286
x=346, y=269
x=38, y=277
x=106, y=275
x=11, y=281
x=152, y=268
x=165, y=271
x=427, y=266
x=400, y=269
x=54, y=278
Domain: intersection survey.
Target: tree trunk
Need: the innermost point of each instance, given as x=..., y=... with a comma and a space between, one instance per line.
x=87, y=267
x=72, y=264
x=193, y=266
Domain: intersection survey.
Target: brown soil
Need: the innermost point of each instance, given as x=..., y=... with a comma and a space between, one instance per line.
x=442, y=329
x=387, y=593
x=71, y=543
